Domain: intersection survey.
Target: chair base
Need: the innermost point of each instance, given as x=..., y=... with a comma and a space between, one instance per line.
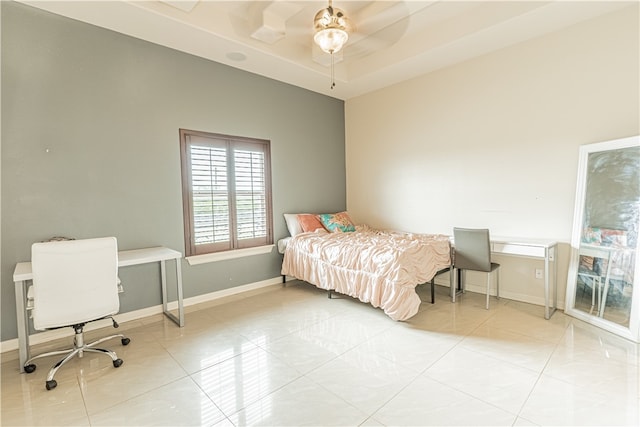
x=79, y=347
x=596, y=282
x=461, y=286
x=432, y=283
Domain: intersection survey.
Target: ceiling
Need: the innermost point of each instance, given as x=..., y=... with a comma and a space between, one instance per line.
x=393, y=40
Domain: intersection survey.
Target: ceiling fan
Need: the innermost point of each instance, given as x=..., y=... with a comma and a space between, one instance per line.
x=342, y=30
x=331, y=31
x=382, y=23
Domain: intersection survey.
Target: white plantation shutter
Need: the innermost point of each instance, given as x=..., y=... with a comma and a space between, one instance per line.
x=210, y=195
x=227, y=192
x=251, y=196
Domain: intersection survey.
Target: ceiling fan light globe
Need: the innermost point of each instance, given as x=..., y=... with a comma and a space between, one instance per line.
x=331, y=40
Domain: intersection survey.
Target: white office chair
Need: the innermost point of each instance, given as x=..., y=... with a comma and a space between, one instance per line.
x=473, y=252
x=74, y=282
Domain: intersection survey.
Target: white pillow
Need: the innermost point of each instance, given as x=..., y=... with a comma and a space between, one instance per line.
x=292, y=224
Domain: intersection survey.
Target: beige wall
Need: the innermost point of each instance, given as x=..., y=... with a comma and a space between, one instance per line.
x=493, y=142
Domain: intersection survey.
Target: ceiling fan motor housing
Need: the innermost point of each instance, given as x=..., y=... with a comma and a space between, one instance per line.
x=331, y=29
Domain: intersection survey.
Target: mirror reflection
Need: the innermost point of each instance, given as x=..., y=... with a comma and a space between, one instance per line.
x=609, y=236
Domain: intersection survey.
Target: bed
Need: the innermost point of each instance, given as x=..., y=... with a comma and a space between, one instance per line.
x=378, y=267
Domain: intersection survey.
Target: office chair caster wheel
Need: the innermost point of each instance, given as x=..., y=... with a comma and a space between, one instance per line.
x=117, y=363
x=125, y=341
x=30, y=368
x=51, y=384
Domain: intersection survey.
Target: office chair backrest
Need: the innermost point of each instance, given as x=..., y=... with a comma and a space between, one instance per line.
x=74, y=281
x=472, y=249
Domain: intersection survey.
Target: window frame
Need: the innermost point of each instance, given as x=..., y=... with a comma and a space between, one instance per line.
x=231, y=143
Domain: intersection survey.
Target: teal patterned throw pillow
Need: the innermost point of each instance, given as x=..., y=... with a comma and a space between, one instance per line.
x=337, y=223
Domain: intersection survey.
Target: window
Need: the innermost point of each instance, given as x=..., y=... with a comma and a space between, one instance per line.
x=226, y=187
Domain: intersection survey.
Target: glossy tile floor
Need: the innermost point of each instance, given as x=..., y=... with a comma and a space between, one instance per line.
x=291, y=356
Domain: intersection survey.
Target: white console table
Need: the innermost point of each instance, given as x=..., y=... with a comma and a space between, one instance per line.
x=22, y=274
x=529, y=248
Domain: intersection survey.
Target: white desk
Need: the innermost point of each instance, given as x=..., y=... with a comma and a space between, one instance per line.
x=529, y=248
x=22, y=274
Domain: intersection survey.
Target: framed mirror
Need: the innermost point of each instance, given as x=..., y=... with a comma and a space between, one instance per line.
x=603, y=270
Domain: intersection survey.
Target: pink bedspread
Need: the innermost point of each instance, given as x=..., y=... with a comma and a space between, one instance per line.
x=377, y=267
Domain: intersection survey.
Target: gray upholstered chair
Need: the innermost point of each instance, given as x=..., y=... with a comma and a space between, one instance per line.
x=74, y=282
x=473, y=252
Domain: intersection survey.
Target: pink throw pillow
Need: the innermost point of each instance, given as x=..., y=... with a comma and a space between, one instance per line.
x=309, y=222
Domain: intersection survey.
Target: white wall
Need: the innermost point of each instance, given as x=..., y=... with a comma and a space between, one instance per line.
x=493, y=142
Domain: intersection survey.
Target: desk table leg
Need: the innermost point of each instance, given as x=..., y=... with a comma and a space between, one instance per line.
x=546, y=284
x=549, y=310
x=23, y=323
x=179, y=320
x=163, y=281
x=555, y=279
x=180, y=302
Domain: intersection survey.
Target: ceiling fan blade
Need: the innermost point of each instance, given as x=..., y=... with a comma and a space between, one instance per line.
x=372, y=38
x=380, y=25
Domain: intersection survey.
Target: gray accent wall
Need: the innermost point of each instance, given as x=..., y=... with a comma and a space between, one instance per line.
x=90, y=147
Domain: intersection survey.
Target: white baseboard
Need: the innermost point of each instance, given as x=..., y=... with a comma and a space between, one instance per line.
x=46, y=336
x=481, y=289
